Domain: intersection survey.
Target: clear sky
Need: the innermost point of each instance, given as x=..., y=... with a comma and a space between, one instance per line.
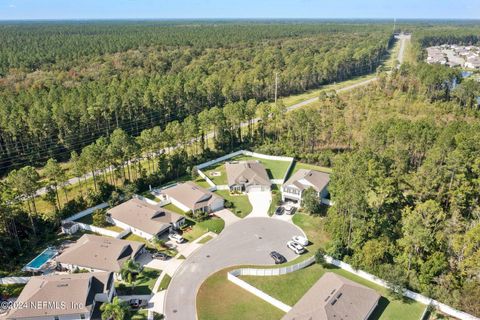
x=174, y=9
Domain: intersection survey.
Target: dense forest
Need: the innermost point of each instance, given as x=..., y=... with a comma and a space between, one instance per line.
x=64, y=85
x=404, y=151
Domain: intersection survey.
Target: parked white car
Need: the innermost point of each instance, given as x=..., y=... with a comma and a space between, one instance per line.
x=295, y=247
x=301, y=240
x=176, y=237
x=289, y=210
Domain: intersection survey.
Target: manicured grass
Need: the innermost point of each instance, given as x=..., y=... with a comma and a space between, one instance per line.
x=143, y=284
x=199, y=229
x=300, y=165
x=219, y=167
x=134, y=237
x=174, y=208
x=165, y=282
x=314, y=228
x=202, y=183
x=291, y=287
x=220, y=299
x=241, y=205
x=205, y=239
x=88, y=219
x=276, y=169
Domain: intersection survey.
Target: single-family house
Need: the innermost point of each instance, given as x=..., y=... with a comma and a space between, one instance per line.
x=334, y=297
x=246, y=176
x=65, y=296
x=97, y=253
x=190, y=197
x=294, y=188
x=144, y=219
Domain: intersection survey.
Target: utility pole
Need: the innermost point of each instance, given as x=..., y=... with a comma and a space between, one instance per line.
x=276, y=86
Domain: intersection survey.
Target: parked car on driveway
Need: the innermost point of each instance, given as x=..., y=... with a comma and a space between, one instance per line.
x=290, y=209
x=279, y=211
x=277, y=257
x=295, y=247
x=301, y=240
x=176, y=237
x=160, y=256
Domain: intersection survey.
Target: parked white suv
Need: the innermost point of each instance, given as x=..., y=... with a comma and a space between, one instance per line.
x=295, y=247
x=301, y=240
x=176, y=237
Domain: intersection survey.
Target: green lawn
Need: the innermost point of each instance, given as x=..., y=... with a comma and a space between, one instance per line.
x=200, y=228
x=300, y=165
x=139, y=315
x=174, y=208
x=241, y=205
x=88, y=219
x=291, y=287
x=276, y=169
x=143, y=283
x=220, y=299
x=165, y=282
x=202, y=183
x=205, y=239
x=219, y=167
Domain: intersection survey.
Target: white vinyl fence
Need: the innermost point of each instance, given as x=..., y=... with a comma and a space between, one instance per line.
x=232, y=276
x=86, y=212
x=102, y=231
x=245, y=153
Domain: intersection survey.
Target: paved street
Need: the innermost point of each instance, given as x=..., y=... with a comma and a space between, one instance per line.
x=248, y=241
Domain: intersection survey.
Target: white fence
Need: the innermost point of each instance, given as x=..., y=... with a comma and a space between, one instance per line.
x=262, y=295
x=232, y=276
x=407, y=293
x=86, y=212
x=245, y=153
x=102, y=231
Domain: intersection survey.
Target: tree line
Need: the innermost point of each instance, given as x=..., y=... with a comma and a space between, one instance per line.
x=55, y=110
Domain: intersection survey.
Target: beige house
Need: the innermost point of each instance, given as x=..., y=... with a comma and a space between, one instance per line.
x=293, y=188
x=246, y=176
x=61, y=297
x=190, y=197
x=144, y=219
x=333, y=298
x=97, y=253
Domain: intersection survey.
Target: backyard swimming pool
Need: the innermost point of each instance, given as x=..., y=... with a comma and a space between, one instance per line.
x=40, y=260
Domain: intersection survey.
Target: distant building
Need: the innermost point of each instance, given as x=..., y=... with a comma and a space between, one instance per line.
x=334, y=298
x=190, y=197
x=59, y=297
x=144, y=219
x=294, y=188
x=96, y=253
x=246, y=176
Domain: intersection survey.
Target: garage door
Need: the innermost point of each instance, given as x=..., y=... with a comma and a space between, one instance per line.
x=256, y=189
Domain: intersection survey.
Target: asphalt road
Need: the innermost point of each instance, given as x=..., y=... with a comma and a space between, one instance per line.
x=248, y=241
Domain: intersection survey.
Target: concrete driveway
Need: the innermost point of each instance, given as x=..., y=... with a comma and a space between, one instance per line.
x=248, y=241
x=260, y=201
x=228, y=216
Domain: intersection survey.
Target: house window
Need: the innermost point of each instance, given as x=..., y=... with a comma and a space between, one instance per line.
x=56, y=318
x=82, y=316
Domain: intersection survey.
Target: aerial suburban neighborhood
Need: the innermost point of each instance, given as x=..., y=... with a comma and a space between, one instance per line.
x=226, y=160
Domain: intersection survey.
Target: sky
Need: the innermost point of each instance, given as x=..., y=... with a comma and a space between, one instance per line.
x=209, y=9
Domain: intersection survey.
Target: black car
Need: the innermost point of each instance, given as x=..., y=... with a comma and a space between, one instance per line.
x=277, y=257
x=279, y=211
x=160, y=256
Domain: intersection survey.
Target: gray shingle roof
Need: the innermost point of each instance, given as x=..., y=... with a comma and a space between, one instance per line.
x=68, y=294
x=247, y=173
x=334, y=298
x=100, y=253
x=143, y=216
x=304, y=179
x=191, y=195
